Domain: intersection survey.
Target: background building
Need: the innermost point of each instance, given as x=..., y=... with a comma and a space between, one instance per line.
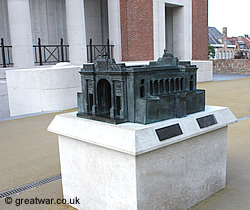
x=228, y=48
x=137, y=31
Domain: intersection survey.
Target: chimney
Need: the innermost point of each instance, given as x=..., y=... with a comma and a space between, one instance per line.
x=224, y=40
x=224, y=31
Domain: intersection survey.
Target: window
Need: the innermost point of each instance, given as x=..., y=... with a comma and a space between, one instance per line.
x=151, y=88
x=156, y=90
x=177, y=86
x=167, y=85
x=161, y=86
x=171, y=85
x=142, y=89
x=182, y=85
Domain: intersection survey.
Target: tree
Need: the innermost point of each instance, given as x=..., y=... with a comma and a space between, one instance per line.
x=211, y=51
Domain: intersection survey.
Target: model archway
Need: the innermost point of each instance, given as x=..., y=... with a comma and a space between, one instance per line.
x=104, y=98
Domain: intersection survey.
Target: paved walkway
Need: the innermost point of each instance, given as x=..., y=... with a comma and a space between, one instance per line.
x=29, y=153
x=220, y=77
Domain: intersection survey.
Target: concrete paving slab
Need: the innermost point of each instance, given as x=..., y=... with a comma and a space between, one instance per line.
x=230, y=93
x=28, y=152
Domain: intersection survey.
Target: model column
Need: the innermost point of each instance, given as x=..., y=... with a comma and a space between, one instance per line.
x=20, y=33
x=76, y=31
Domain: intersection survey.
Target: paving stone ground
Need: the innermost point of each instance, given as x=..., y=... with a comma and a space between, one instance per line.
x=29, y=153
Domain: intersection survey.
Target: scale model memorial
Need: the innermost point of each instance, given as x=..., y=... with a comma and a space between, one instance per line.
x=145, y=94
x=142, y=138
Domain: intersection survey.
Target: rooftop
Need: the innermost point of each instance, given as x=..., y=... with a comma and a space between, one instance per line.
x=29, y=153
x=214, y=36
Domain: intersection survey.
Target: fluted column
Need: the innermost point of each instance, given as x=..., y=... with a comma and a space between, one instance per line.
x=76, y=31
x=20, y=33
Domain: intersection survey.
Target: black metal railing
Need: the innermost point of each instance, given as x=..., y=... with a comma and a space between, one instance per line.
x=5, y=55
x=93, y=51
x=51, y=54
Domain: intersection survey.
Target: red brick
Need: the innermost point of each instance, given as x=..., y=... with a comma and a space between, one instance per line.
x=200, y=30
x=137, y=30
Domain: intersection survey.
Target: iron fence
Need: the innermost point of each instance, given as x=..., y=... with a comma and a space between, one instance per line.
x=94, y=51
x=5, y=55
x=51, y=54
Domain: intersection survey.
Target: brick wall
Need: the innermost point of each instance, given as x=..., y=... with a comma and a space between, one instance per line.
x=137, y=30
x=232, y=66
x=200, y=30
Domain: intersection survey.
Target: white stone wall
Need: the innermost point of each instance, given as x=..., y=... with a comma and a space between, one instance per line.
x=4, y=22
x=20, y=33
x=48, y=20
x=43, y=89
x=76, y=31
x=181, y=27
x=96, y=19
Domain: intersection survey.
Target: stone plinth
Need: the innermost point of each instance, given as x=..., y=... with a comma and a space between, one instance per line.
x=126, y=166
x=43, y=89
x=205, y=70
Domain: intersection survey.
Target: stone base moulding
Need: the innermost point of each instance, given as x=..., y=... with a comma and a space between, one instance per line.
x=172, y=164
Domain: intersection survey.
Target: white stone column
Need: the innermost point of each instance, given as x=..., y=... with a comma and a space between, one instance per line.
x=76, y=31
x=115, y=28
x=159, y=28
x=20, y=33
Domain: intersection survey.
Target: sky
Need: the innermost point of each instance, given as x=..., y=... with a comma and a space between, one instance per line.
x=233, y=14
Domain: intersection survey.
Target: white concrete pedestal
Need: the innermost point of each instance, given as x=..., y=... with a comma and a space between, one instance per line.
x=125, y=166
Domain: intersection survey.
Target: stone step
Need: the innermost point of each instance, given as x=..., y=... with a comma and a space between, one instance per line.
x=2, y=73
x=3, y=87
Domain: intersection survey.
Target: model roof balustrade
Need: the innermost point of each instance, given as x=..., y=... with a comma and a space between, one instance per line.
x=164, y=89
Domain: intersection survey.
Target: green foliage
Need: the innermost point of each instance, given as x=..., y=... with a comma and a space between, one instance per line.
x=211, y=51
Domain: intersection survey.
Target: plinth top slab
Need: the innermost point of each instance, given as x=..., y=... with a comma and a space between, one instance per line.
x=135, y=138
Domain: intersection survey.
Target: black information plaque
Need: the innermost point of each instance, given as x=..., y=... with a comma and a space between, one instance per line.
x=206, y=121
x=168, y=132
